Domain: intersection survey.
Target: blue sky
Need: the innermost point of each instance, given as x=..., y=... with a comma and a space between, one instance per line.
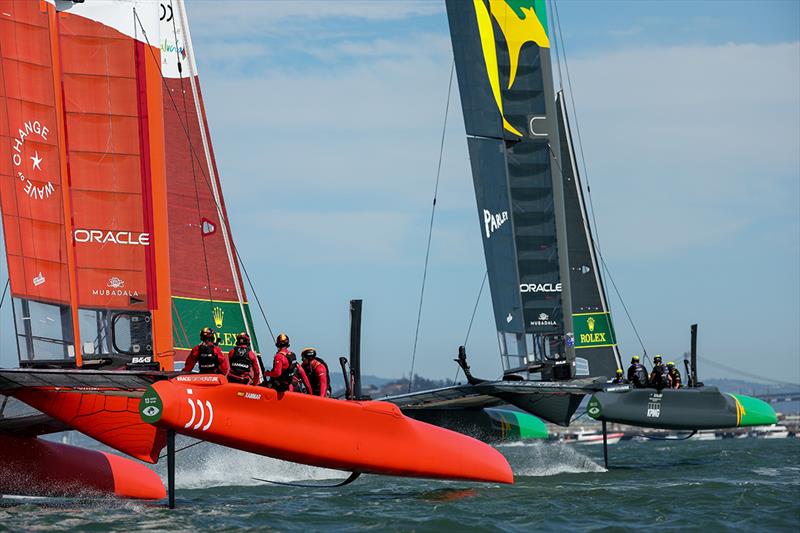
x=326, y=119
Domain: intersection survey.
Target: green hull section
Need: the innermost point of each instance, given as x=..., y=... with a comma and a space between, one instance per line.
x=515, y=425
x=684, y=409
x=488, y=425
x=755, y=412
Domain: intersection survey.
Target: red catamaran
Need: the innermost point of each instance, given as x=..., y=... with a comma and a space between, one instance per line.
x=119, y=252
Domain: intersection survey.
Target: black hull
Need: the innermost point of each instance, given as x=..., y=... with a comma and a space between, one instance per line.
x=683, y=409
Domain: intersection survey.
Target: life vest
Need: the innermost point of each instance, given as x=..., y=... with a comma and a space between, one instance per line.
x=297, y=381
x=638, y=375
x=207, y=359
x=284, y=380
x=661, y=374
x=240, y=364
x=314, y=379
x=676, y=378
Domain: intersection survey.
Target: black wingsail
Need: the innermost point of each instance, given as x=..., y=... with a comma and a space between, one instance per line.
x=504, y=75
x=595, y=343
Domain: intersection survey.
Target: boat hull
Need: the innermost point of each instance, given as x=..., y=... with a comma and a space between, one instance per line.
x=689, y=409
x=35, y=467
x=371, y=437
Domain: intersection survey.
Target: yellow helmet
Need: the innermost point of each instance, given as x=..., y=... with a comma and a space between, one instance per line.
x=619, y=371
x=635, y=359
x=670, y=364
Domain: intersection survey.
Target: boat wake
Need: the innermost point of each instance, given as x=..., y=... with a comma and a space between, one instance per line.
x=209, y=465
x=538, y=459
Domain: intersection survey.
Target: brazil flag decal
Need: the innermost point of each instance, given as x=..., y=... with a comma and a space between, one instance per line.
x=593, y=330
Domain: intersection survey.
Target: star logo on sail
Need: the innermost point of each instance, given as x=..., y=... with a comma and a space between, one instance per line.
x=31, y=176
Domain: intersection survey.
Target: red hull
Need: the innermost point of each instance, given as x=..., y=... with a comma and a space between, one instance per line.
x=34, y=467
x=371, y=436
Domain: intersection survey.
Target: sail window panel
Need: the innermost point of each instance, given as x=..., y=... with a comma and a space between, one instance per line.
x=95, y=55
x=11, y=234
x=25, y=12
x=100, y=95
x=41, y=280
x=526, y=190
x=108, y=211
x=109, y=256
x=94, y=171
x=42, y=240
x=27, y=43
x=103, y=133
x=112, y=288
x=9, y=181
x=29, y=82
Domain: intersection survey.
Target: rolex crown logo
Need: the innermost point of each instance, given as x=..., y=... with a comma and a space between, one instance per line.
x=590, y=323
x=218, y=314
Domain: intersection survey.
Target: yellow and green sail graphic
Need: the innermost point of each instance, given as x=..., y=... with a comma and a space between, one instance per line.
x=520, y=22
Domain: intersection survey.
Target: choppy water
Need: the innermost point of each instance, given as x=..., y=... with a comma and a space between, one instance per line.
x=745, y=485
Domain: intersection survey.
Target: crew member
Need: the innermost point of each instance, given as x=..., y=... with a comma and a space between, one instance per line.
x=280, y=378
x=674, y=375
x=619, y=379
x=637, y=373
x=659, y=377
x=244, y=367
x=207, y=355
x=317, y=371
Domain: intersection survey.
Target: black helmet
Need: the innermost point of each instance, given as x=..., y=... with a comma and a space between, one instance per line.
x=207, y=335
x=282, y=341
x=309, y=353
x=243, y=339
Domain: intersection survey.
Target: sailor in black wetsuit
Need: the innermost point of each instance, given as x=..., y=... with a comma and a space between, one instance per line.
x=659, y=377
x=674, y=375
x=637, y=373
x=619, y=379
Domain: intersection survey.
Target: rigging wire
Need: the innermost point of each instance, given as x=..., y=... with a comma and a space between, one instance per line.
x=472, y=319
x=196, y=156
x=557, y=19
x=430, y=227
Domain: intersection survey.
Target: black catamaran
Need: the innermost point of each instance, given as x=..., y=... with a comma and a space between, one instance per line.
x=554, y=328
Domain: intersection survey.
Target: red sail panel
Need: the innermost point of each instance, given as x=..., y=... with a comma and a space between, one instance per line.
x=30, y=164
x=206, y=282
x=101, y=82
